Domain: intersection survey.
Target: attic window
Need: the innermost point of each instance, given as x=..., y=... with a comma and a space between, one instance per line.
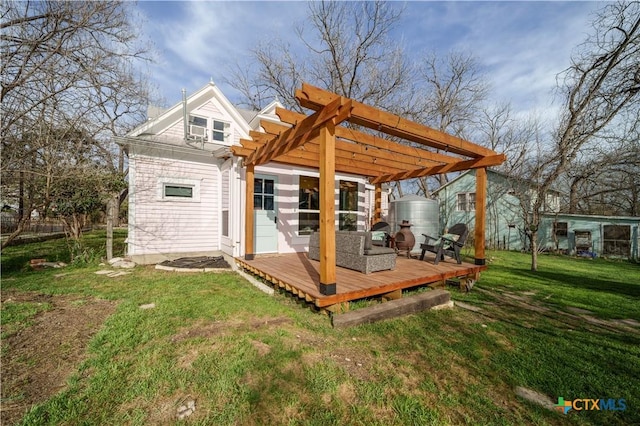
x=201, y=129
x=198, y=128
x=220, y=131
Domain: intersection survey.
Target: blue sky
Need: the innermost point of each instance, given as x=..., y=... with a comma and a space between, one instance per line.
x=521, y=46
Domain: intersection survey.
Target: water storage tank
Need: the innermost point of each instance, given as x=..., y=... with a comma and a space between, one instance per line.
x=422, y=213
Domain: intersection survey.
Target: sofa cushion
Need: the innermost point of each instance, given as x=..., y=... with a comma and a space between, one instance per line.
x=379, y=250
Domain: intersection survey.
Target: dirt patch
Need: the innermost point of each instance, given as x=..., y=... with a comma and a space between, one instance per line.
x=38, y=360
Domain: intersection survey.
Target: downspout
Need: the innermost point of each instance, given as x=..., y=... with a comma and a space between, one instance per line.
x=184, y=114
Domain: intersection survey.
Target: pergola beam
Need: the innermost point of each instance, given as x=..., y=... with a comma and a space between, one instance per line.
x=335, y=111
x=371, y=142
x=370, y=154
x=492, y=160
x=311, y=160
x=391, y=124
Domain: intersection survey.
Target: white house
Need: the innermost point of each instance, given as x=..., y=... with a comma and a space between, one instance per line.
x=186, y=189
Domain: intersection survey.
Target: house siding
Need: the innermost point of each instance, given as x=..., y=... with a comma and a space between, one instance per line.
x=164, y=226
x=288, y=179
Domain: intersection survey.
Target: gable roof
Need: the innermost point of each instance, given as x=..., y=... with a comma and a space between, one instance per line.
x=195, y=100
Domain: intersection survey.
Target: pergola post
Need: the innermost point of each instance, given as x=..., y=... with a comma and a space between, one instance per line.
x=377, y=213
x=248, y=214
x=327, y=209
x=481, y=214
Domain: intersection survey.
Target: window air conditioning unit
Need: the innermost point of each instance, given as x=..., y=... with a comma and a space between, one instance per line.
x=198, y=132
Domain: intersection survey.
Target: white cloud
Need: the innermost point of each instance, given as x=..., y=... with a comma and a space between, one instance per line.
x=522, y=45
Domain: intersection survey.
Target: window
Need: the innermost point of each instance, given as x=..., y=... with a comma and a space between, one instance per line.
x=466, y=201
x=225, y=223
x=220, y=131
x=263, y=194
x=226, y=178
x=560, y=229
x=617, y=240
x=308, y=205
x=179, y=191
x=199, y=129
x=348, y=206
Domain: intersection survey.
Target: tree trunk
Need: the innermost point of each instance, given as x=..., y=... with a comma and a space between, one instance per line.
x=23, y=224
x=534, y=250
x=111, y=209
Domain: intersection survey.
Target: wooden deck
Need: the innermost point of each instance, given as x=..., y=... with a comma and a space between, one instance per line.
x=299, y=275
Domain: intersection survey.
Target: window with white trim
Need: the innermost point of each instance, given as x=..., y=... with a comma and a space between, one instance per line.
x=198, y=128
x=226, y=178
x=216, y=130
x=466, y=201
x=178, y=189
x=221, y=131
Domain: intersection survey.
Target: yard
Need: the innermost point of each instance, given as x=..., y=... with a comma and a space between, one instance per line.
x=79, y=347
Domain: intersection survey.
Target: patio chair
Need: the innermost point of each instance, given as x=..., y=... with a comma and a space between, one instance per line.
x=448, y=244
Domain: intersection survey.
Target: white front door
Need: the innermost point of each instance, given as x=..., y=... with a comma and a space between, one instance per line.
x=265, y=219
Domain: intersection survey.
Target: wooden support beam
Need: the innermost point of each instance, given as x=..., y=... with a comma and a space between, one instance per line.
x=394, y=295
x=475, y=163
x=312, y=161
x=377, y=213
x=481, y=213
x=376, y=144
x=368, y=154
x=327, y=210
x=336, y=111
x=391, y=124
x=347, y=162
x=392, y=309
x=248, y=214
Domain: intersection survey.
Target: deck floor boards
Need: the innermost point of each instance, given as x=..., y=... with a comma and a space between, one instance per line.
x=299, y=272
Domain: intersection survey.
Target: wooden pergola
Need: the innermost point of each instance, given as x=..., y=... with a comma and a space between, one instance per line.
x=318, y=141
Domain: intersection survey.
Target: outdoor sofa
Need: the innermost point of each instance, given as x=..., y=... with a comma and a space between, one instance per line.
x=355, y=250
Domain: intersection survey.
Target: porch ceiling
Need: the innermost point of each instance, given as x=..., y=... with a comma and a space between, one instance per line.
x=297, y=141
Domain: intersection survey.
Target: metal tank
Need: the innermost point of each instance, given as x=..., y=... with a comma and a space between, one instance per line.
x=422, y=213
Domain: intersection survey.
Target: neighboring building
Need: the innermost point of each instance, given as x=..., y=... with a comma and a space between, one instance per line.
x=607, y=236
x=589, y=235
x=505, y=225
x=186, y=189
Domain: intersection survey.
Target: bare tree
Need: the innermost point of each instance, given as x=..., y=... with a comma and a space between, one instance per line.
x=497, y=129
x=453, y=91
x=67, y=68
x=602, y=82
x=347, y=50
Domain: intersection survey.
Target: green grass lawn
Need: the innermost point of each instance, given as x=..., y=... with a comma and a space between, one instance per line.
x=249, y=358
